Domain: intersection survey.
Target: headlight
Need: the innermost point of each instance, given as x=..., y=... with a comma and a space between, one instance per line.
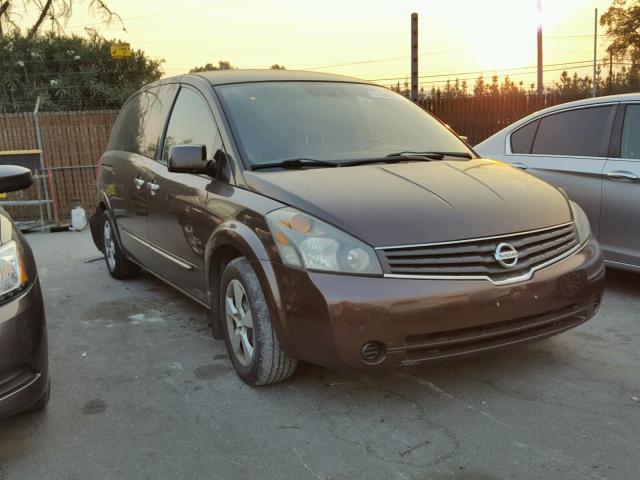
x=304, y=241
x=13, y=275
x=582, y=223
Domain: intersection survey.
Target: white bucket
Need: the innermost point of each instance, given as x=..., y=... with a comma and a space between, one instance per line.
x=78, y=218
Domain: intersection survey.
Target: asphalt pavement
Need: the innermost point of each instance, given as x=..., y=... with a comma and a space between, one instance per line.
x=141, y=391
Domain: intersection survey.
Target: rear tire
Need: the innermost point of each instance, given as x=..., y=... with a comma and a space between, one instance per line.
x=252, y=343
x=118, y=265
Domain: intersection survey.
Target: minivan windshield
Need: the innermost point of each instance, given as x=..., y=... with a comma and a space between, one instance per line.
x=329, y=121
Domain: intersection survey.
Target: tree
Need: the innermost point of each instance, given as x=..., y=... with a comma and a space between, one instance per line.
x=275, y=66
x=222, y=65
x=68, y=73
x=622, y=20
x=479, y=86
x=57, y=12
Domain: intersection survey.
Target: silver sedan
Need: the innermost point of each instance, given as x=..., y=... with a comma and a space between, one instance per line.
x=591, y=149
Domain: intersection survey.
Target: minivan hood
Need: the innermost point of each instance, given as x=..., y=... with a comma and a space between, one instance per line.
x=419, y=202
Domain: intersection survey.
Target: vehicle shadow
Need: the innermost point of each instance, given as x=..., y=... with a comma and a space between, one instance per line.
x=623, y=282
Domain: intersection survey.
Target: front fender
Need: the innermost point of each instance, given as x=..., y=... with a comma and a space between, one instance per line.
x=241, y=237
x=253, y=241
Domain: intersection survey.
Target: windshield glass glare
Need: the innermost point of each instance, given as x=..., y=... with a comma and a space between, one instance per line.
x=334, y=121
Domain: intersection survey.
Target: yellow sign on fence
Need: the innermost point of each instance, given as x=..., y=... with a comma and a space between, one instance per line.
x=121, y=50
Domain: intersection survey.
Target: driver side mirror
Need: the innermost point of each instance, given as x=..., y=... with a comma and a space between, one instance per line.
x=13, y=177
x=189, y=159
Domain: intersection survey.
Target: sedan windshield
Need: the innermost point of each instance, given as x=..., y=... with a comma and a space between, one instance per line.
x=329, y=121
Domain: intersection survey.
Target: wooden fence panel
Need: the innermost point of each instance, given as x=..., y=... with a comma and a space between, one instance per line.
x=72, y=143
x=480, y=117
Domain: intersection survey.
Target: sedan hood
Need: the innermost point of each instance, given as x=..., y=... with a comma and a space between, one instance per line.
x=419, y=202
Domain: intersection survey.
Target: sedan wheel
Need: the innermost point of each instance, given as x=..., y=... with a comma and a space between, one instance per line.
x=239, y=322
x=109, y=246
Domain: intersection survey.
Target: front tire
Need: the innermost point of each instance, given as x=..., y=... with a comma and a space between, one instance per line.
x=118, y=265
x=252, y=343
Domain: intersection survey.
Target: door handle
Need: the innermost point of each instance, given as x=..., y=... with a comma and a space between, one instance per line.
x=622, y=175
x=138, y=182
x=521, y=166
x=153, y=187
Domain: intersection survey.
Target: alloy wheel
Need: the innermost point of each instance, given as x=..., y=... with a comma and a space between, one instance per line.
x=109, y=246
x=239, y=322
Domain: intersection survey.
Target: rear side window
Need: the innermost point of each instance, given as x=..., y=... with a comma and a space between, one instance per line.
x=157, y=104
x=126, y=131
x=582, y=132
x=142, y=120
x=522, y=139
x=192, y=123
x=630, y=147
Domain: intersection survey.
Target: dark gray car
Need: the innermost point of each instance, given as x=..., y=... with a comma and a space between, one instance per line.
x=24, y=374
x=591, y=149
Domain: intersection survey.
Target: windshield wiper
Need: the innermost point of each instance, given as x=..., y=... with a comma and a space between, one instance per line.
x=432, y=155
x=294, y=163
x=297, y=163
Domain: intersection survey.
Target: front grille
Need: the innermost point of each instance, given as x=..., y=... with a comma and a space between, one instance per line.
x=476, y=258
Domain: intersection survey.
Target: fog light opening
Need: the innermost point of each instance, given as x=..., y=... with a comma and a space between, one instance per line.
x=373, y=353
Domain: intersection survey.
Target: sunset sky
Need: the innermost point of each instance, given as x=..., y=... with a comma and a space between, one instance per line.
x=368, y=39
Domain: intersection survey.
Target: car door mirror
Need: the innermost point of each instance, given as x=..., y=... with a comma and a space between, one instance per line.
x=189, y=159
x=13, y=177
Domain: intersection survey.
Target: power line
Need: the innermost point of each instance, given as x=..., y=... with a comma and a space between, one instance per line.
x=450, y=76
x=486, y=70
x=512, y=75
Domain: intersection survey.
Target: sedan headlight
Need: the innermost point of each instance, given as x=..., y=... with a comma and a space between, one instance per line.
x=13, y=275
x=305, y=241
x=582, y=223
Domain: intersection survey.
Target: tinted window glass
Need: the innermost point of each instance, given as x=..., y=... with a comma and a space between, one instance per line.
x=583, y=132
x=155, y=108
x=142, y=120
x=630, y=147
x=329, y=121
x=192, y=123
x=522, y=139
x=126, y=131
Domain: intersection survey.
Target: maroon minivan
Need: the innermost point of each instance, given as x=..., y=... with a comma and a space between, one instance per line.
x=325, y=219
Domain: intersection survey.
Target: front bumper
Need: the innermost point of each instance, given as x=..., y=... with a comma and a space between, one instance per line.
x=326, y=319
x=24, y=374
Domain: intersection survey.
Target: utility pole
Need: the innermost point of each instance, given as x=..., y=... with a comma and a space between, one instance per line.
x=414, y=56
x=540, y=78
x=595, y=53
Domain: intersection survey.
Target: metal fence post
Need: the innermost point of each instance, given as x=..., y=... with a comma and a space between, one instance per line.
x=45, y=187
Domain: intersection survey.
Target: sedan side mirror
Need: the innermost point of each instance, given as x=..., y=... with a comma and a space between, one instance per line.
x=189, y=159
x=13, y=177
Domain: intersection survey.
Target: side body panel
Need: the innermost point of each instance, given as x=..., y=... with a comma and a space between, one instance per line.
x=123, y=180
x=620, y=232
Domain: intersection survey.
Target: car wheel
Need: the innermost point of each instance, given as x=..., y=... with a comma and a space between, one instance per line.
x=118, y=265
x=252, y=343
